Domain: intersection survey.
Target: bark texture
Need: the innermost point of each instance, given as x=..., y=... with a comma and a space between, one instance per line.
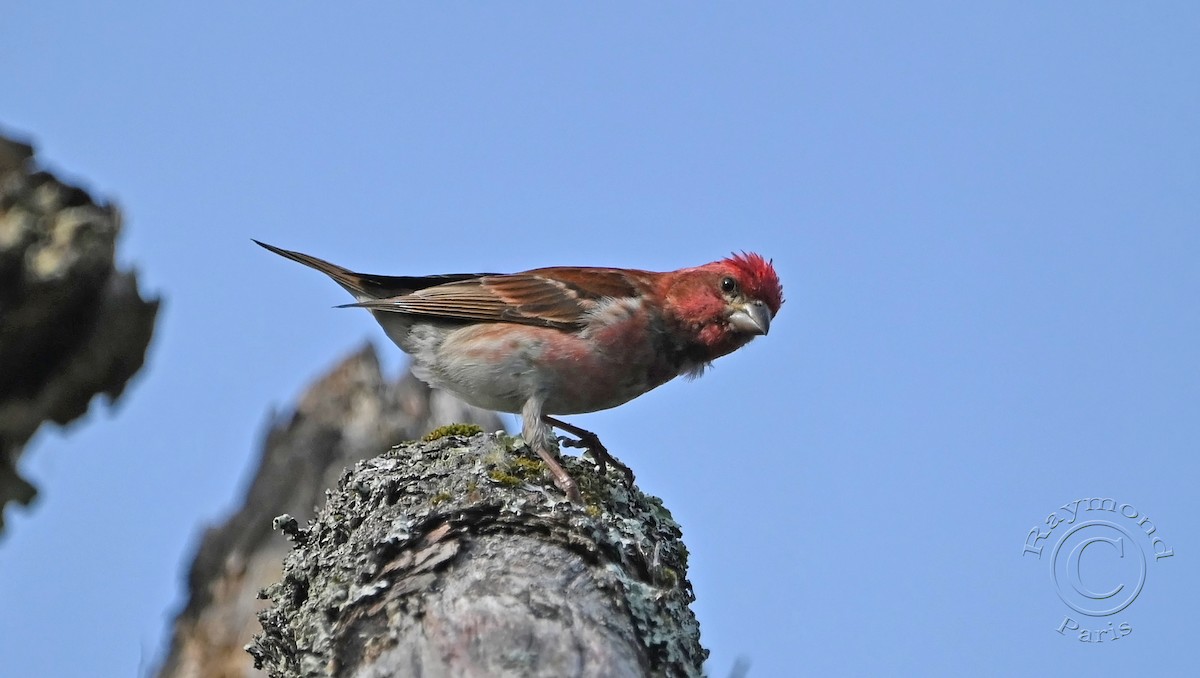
x=72, y=325
x=351, y=413
x=458, y=557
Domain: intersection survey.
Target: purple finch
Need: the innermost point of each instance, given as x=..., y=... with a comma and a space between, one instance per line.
x=565, y=340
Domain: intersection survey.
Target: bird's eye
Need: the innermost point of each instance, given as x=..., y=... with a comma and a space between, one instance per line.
x=728, y=285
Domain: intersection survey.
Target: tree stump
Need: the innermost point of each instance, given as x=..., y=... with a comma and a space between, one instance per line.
x=458, y=557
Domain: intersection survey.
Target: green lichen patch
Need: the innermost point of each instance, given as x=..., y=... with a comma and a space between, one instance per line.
x=464, y=430
x=505, y=478
x=529, y=467
x=513, y=469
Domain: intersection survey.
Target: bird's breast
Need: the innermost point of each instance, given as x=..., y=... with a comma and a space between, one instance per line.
x=619, y=354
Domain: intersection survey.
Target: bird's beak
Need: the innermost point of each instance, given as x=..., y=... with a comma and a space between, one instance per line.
x=752, y=317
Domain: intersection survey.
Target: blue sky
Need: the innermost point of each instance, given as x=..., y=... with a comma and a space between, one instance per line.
x=986, y=217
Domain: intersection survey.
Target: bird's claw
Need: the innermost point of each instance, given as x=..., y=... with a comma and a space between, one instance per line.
x=602, y=457
x=590, y=443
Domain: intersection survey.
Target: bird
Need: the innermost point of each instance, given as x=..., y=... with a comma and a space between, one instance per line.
x=565, y=340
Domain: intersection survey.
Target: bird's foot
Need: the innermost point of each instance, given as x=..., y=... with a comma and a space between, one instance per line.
x=591, y=444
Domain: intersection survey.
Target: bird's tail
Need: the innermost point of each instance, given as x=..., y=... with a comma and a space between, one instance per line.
x=368, y=286
x=353, y=282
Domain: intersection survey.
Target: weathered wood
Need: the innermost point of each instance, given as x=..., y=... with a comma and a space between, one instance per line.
x=458, y=557
x=351, y=413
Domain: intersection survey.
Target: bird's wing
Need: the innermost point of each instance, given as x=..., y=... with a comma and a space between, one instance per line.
x=548, y=297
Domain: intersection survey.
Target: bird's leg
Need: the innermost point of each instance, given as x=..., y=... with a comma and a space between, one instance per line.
x=540, y=437
x=562, y=479
x=591, y=442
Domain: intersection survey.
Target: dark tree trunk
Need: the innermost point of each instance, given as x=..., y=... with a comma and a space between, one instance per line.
x=457, y=557
x=71, y=325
